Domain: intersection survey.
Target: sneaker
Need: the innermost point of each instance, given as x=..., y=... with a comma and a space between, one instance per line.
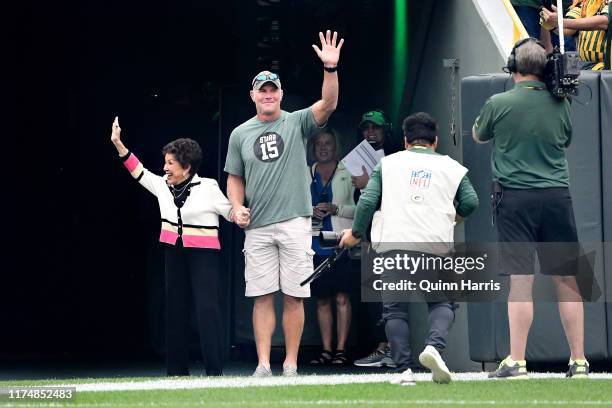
x=578, y=369
x=378, y=358
x=512, y=370
x=405, y=378
x=431, y=359
x=262, y=371
x=290, y=371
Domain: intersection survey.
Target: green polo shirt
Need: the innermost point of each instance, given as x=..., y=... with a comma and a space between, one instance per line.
x=466, y=198
x=530, y=130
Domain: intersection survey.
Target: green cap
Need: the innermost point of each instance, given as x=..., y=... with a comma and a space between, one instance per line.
x=376, y=117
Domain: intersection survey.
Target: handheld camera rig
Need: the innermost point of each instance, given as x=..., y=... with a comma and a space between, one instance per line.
x=327, y=239
x=562, y=68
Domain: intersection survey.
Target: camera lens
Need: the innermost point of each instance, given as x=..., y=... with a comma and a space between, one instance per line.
x=329, y=239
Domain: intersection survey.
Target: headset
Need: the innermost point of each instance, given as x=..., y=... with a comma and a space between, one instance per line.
x=511, y=63
x=561, y=71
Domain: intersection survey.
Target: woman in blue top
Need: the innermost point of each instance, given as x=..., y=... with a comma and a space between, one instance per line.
x=333, y=209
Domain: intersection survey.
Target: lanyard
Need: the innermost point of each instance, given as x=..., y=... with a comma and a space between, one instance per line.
x=312, y=171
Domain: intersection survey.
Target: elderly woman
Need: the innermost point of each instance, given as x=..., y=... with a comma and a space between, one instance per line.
x=190, y=207
x=333, y=209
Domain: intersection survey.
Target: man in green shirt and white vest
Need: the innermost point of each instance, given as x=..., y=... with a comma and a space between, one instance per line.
x=421, y=193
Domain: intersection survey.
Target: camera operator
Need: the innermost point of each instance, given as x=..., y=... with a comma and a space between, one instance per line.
x=416, y=212
x=531, y=130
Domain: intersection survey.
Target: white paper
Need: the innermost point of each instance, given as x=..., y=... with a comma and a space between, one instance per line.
x=362, y=155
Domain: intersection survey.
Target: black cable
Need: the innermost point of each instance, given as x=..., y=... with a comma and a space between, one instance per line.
x=325, y=266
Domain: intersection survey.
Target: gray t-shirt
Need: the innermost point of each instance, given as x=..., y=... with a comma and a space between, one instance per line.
x=271, y=157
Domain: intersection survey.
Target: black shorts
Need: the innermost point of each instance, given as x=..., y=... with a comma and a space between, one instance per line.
x=539, y=220
x=334, y=281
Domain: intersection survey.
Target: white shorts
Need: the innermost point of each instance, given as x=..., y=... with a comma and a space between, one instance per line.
x=279, y=256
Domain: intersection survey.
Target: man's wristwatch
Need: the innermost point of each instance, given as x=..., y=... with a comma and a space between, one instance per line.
x=330, y=69
x=356, y=234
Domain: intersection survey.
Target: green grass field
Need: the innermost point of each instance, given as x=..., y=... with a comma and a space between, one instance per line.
x=540, y=392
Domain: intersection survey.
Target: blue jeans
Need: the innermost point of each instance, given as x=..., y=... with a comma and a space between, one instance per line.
x=530, y=17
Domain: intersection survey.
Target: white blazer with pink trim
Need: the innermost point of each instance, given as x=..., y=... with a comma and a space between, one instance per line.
x=197, y=221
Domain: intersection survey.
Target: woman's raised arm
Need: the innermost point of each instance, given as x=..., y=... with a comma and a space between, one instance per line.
x=116, y=138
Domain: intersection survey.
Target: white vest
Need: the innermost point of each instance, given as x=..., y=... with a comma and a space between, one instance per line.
x=418, y=191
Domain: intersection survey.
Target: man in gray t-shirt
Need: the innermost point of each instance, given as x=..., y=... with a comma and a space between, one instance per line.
x=266, y=165
x=271, y=158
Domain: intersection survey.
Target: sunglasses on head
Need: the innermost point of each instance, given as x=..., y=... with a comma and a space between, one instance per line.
x=265, y=77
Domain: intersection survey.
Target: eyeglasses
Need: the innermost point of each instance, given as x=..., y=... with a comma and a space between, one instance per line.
x=265, y=77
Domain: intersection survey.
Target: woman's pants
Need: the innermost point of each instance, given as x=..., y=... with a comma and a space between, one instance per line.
x=192, y=274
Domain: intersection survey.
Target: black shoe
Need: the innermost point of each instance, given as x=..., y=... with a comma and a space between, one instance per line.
x=515, y=371
x=578, y=369
x=340, y=359
x=324, y=359
x=378, y=358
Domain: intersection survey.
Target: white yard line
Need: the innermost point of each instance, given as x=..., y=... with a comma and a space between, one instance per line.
x=241, y=382
x=250, y=403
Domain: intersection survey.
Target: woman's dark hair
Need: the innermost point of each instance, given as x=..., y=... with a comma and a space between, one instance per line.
x=420, y=128
x=187, y=152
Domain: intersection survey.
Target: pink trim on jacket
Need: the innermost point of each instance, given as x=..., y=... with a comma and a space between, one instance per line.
x=190, y=241
x=131, y=163
x=168, y=237
x=194, y=241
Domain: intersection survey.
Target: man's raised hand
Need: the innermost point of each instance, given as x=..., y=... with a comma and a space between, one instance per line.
x=329, y=53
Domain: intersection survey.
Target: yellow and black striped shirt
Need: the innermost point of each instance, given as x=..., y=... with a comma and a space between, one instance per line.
x=591, y=44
